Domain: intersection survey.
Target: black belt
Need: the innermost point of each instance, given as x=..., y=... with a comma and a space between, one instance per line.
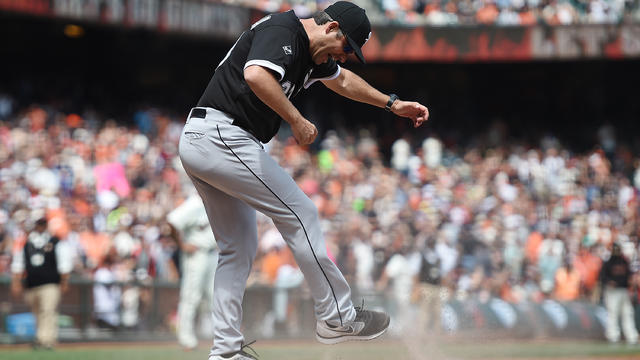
x=201, y=113
x=198, y=113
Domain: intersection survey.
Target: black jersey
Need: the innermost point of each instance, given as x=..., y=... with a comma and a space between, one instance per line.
x=430, y=267
x=41, y=264
x=279, y=43
x=617, y=271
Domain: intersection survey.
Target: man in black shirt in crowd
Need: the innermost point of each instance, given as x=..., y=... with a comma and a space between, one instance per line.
x=222, y=152
x=616, y=278
x=428, y=291
x=44, y=265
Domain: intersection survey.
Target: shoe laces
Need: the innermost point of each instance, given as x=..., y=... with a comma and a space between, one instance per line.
x=361, y=307
x=253, y=353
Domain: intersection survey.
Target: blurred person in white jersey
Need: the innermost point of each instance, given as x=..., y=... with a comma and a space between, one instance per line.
x=191, y=231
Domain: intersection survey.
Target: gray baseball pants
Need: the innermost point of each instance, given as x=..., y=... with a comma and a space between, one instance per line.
x=235, y=176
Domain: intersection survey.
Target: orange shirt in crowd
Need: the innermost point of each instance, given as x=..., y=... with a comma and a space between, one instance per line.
x=74, y=121
x=588, y=266
x=406, y=5
x=528, y=18
x=292, y=150
x=487, y=14
x=507, y=294
x=430, y=7
x=271, y=262
x=95, y=245
x=58, y=224
x=567, y=284
x=81, y=207
x=531, y=247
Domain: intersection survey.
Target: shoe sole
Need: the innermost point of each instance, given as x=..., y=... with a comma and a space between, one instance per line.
x=339, y=339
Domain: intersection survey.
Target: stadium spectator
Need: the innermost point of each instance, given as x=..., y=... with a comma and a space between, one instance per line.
x=616, y=279
x=191, y=231
x=567, y=283
x=5, y=242
x=428, y=291
x=487, y=13
x=278, y=270
x=95, y=244
x=44, y=264
x=527, y=16
x=107, y=294
x=588, y=266
x=399, y=272
x=549, y=261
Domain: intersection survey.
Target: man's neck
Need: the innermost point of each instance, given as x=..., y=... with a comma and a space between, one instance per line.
x=310, y=27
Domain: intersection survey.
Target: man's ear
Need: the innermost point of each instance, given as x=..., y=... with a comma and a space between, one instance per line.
x=332, y=26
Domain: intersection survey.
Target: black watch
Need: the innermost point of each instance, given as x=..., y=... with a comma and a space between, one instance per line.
x=392, y=99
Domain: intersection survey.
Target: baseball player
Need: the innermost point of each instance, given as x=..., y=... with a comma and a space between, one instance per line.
x=222, y=152
x=190, y=228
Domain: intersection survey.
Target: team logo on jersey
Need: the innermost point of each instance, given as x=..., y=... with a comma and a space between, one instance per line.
x=367, y=39
x=287, y=49
x=37, y=260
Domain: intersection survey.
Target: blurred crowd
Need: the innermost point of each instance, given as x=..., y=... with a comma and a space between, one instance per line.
x=510, y=12
x=473, y=12
x=522, y=224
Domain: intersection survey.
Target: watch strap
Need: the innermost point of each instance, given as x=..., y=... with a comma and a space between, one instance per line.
x=392, y=99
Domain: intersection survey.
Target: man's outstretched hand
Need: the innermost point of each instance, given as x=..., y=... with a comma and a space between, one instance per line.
x=417, y=112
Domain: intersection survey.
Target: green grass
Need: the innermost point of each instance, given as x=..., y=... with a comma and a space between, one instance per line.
x=375, y=350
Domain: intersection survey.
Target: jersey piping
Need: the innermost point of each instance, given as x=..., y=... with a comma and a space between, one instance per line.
x=334, y=76
x=268, y=65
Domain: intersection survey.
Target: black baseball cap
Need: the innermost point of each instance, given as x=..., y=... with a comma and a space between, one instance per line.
x=354, y=24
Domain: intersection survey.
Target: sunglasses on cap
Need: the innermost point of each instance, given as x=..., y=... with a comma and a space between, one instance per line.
x=348, y=49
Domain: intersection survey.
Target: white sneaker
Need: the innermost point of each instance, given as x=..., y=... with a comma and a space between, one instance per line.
x=366, y=326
